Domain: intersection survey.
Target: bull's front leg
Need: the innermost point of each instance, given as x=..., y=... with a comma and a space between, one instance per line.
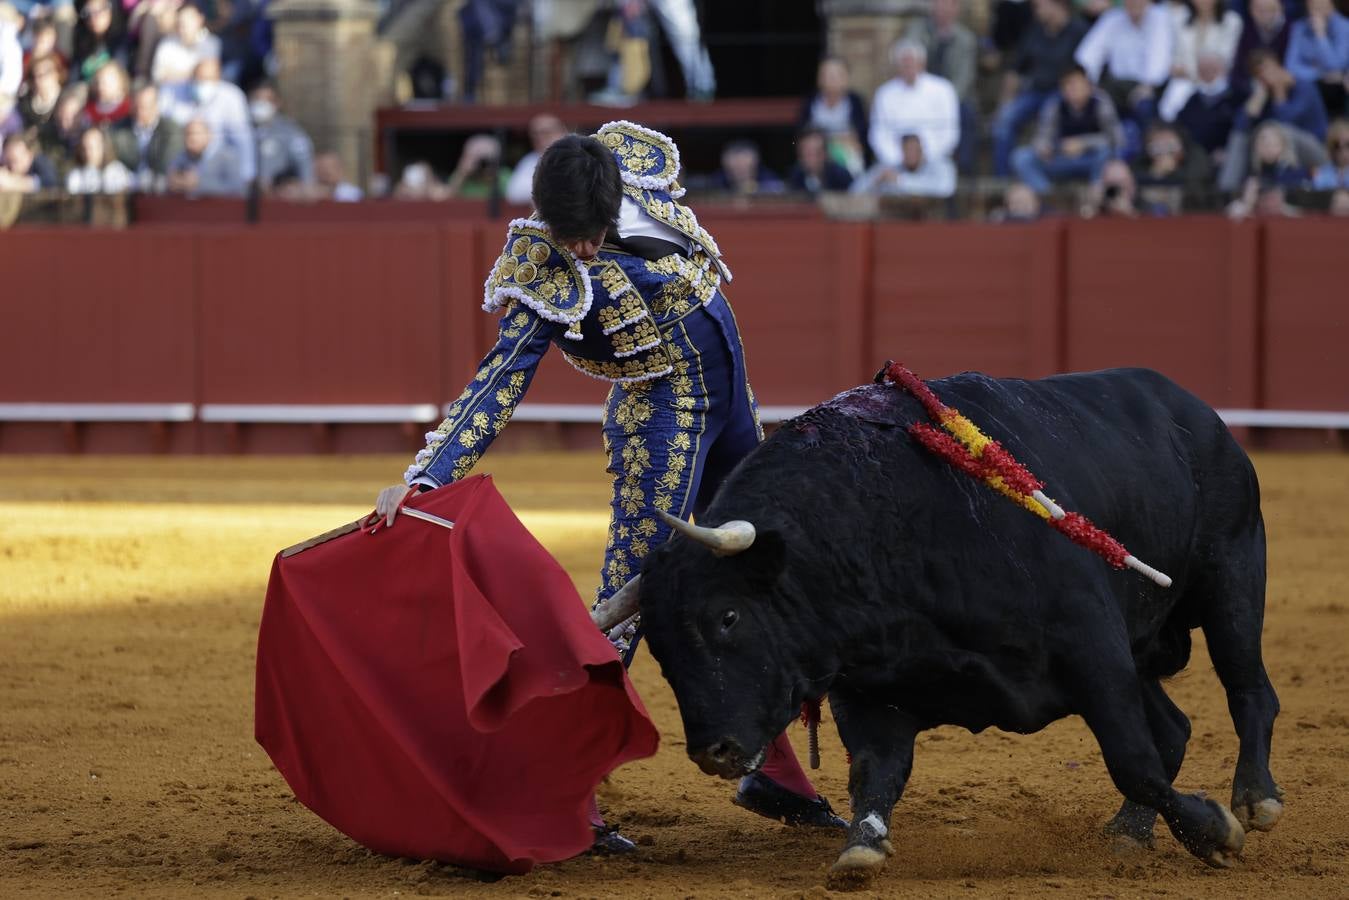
x=880, y=740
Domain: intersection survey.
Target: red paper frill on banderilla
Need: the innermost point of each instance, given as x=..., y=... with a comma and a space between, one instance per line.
x=442, y=694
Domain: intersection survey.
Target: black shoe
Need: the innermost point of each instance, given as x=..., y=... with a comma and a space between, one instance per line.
x=608, y=842
x=760, y=794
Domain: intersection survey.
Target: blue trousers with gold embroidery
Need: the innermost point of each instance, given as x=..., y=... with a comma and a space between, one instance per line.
x=672, y=441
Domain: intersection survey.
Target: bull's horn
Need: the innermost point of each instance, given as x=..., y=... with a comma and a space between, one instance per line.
x=725, y=540
x=618, y=607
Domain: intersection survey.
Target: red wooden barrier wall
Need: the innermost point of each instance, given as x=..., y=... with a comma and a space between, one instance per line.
x=1246, y=315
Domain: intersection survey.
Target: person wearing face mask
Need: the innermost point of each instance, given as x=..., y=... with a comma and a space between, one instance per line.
x=285, y=152
x=222, y=106
x=617, y=273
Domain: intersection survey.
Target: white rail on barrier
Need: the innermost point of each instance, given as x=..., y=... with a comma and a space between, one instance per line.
x=378, y=414
x=318, y=413
x=97, y=412
x=1284, y=418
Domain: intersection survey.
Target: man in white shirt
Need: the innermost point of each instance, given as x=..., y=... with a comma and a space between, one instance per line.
x=1128, y=53
x=177, y=54
x=914, y=103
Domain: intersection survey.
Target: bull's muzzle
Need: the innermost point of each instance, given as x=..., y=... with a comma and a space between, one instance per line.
x=726, y=758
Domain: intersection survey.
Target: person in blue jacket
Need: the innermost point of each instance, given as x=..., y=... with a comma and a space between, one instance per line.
x=621, y=277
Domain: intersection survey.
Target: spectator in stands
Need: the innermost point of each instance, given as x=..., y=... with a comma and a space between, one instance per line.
x=1128, y=52
x=1273, y=163
x=235, y=23
x=679, y=23
x=1265, y=29
x=97, y=170
x=544, y=129
x=1204, y=27
x=743, y=173
x=224, y=109
x=953, y=54
x=1318, y=51
x=1276, y=94
x=479, y=173
x=11, y=58
x=148, y=143
x=100, y=38
x=1078, y=133
x=22, y=169
x=1208, y=114
x=485, y=25
x=42, y=42
x=1021, y=203
x=1112, y=194
x=1045, y=50
x=38, y=104
x=61, y=134
x=917, y=174
x=814, y=170
x=839, y=112
x=109, y=100
x=331, y=178
x=205, y=168
x=419, y=182
x=1339, y=203
x=177, y=55
x=284, y=150
x=914, y=102
x=1167, y=163
x=1334, y=175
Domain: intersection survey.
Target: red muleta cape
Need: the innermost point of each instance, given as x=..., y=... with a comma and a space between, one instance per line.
x=442, y=694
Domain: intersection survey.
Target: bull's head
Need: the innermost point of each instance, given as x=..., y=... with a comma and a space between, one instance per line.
x=714, y=605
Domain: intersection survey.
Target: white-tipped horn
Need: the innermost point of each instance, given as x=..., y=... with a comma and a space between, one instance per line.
x=618, y=607
x=725, y=540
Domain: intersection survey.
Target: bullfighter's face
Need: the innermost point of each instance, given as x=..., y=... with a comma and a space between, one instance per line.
x=711, y=625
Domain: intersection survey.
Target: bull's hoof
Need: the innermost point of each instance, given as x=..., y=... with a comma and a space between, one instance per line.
x=1225, y=855
x=857, y=866
x=1259, y=815
x=1130, y=831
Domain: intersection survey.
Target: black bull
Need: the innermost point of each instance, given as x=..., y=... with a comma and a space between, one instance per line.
x=914, y=596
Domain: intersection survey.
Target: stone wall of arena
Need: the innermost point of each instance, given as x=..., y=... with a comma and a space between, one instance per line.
x=297, y=336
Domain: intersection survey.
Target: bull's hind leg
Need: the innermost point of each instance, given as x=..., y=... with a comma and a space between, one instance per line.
x=1232, y=619
x=880, y=740
x=1110, y=698
x=1170, y=733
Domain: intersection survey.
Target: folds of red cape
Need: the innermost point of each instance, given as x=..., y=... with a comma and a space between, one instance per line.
x=442, y=694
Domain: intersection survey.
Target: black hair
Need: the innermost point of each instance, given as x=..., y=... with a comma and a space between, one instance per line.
x=1073, y=69
x=810, y=131
x=1219, y=8
x=577, y=188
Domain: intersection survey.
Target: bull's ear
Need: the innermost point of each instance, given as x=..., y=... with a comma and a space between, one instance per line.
x=766, y=556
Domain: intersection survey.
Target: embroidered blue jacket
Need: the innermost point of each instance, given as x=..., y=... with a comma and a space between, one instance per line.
x=608, y=315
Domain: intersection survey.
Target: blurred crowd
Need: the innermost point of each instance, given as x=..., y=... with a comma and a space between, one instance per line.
x=1133, y=108
x=1093, y=107
x=1099, y=107
x=111, y=96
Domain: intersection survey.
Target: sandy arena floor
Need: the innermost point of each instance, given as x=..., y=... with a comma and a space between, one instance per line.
x=130, y=591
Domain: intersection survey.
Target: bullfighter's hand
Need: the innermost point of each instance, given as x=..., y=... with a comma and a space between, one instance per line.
x=388, y=502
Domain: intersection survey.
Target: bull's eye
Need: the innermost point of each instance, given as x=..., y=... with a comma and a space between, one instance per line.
x=728, y=619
